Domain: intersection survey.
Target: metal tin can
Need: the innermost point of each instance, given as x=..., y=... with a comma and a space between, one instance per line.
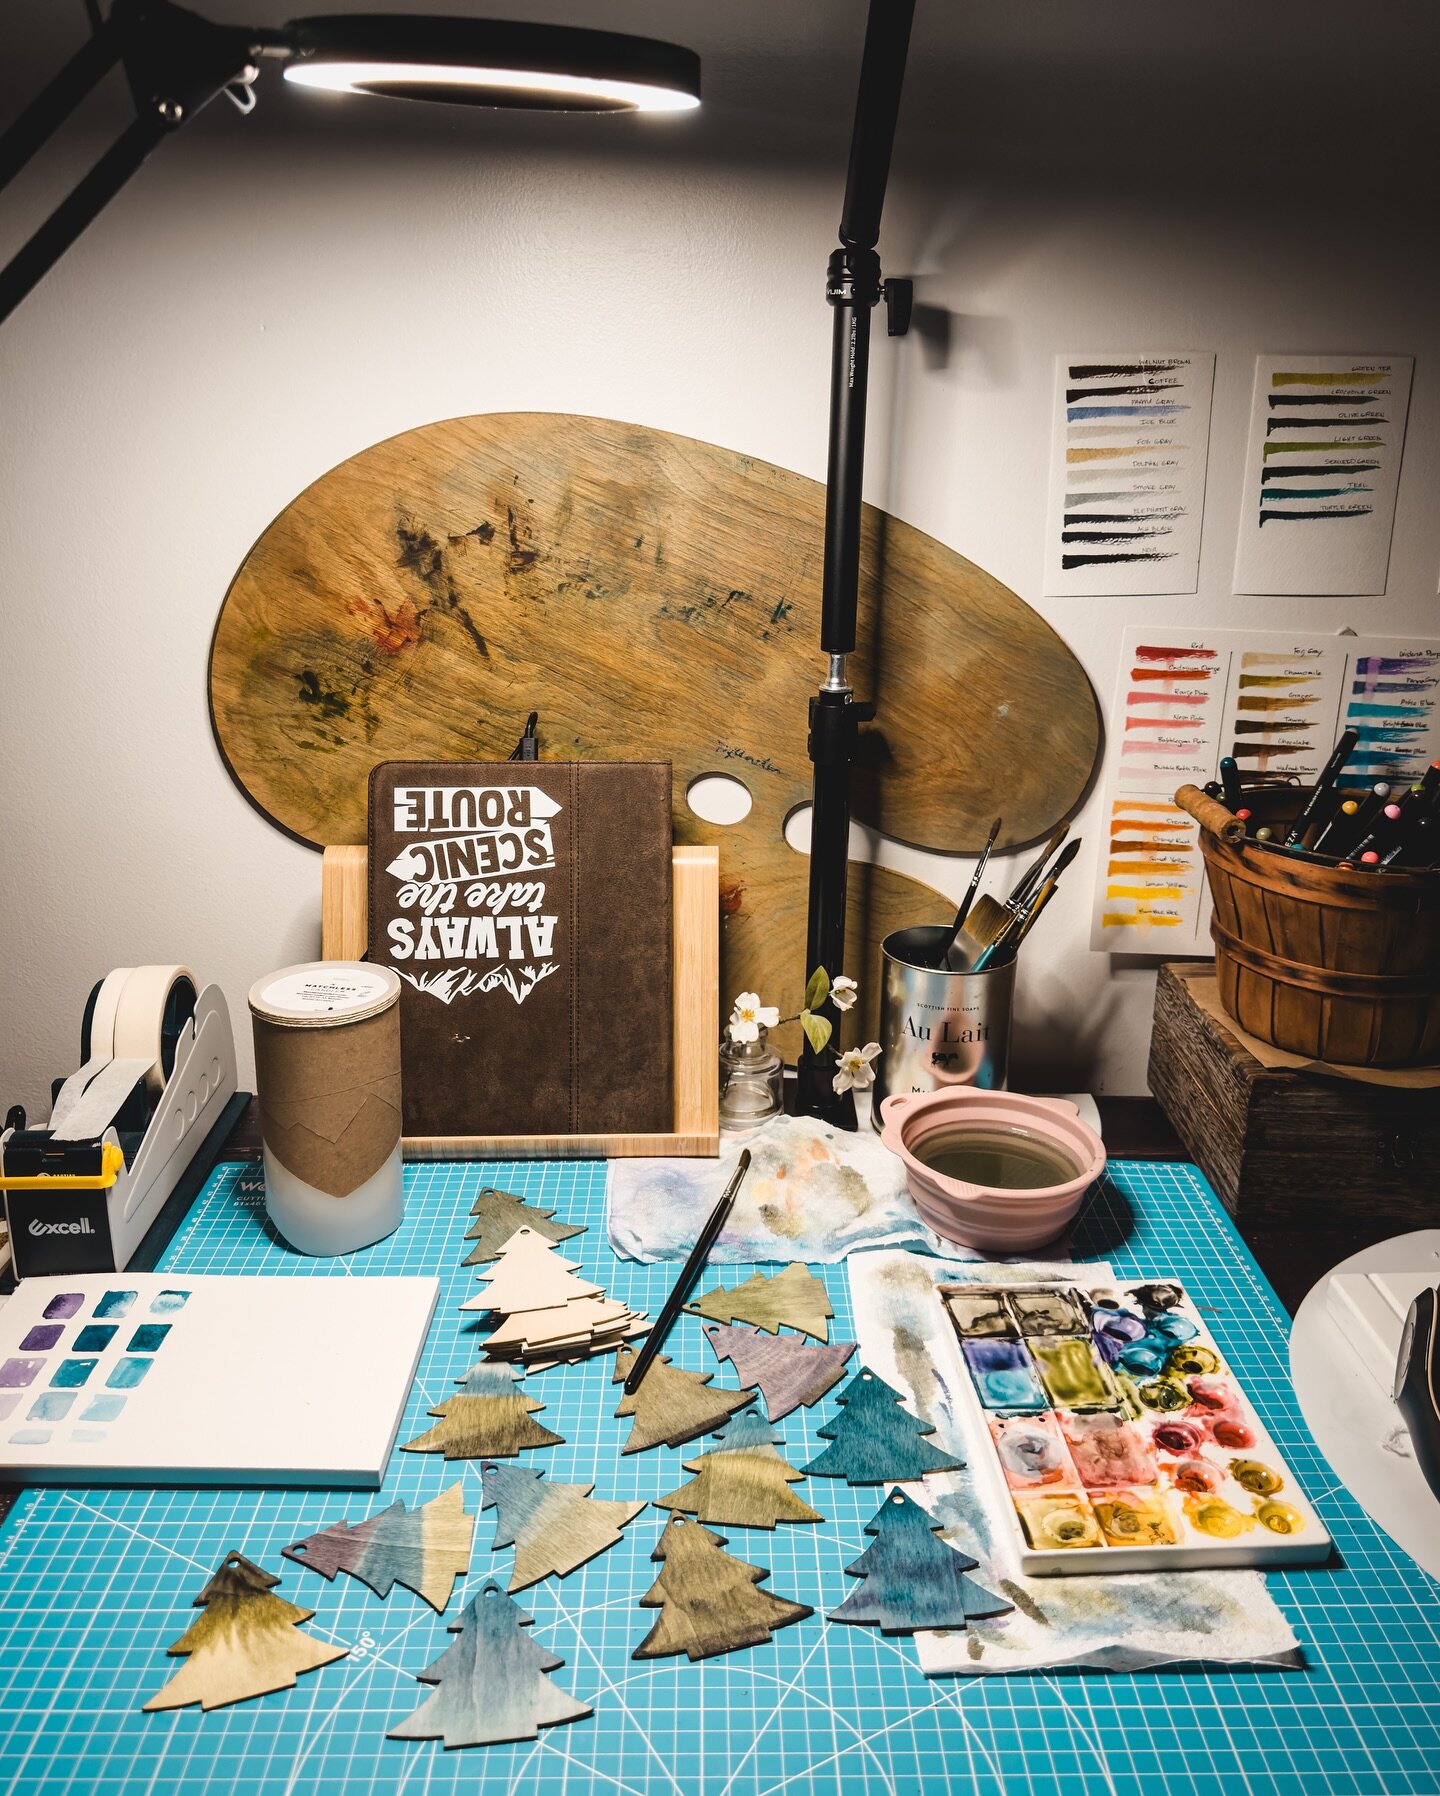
x=939, y=1028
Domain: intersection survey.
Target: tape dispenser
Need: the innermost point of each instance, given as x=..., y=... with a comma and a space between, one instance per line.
x=154, y=1090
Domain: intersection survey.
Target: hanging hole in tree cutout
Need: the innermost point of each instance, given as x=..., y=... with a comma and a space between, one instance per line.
x=719, y=798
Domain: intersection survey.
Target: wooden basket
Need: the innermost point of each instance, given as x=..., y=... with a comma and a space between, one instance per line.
x=1337, y=966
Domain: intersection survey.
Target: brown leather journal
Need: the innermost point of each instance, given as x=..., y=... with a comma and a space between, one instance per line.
x=526, y=907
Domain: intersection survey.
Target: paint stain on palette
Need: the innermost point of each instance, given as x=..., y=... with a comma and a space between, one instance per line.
x=71, y=1362
x=1119, y=1436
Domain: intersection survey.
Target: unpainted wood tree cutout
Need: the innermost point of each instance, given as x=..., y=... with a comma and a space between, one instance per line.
x=245, y=1643
x=492, y=1683
x=490, y=1419
x=529, y=1274
x=794, y=1298
x=497, y=1215
x=876, y=1441
x=743, y=1482
x=425, y=1549
x=912, y=1578
x=552, y=1527
x=788, y=1371
x=708, y=1601
x=672, y=1405
x=541, y=1311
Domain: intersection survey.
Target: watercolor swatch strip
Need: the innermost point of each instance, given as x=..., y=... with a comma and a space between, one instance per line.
x=1130, y=442
x=1326, y=438
x=1274, y=702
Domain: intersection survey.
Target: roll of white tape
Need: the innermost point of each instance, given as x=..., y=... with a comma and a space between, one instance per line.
x=151, y=1001
x=102, y=1020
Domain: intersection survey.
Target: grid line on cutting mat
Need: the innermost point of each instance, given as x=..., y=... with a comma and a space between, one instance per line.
x=95, y=1584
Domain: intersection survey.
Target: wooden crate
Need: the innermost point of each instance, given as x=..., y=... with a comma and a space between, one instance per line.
x=695, y=978
x=1286, y=1146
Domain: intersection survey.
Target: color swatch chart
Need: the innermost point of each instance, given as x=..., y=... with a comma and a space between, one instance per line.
x=1326, y=437
x=1127, y=486
x=1276, y=703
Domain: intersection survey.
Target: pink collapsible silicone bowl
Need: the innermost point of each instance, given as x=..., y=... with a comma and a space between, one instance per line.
x=990, y=1218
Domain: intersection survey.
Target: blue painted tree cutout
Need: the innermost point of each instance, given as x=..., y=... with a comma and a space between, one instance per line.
x=912, y=1578
x=876, y=1441
x=552, y=1527
x=491, y=1683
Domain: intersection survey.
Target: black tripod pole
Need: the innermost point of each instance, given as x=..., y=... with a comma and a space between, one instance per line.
x=853, y=288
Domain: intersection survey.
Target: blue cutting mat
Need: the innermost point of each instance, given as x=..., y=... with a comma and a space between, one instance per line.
x=94, y=1585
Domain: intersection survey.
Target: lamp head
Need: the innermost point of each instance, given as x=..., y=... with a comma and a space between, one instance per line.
x=490, y=62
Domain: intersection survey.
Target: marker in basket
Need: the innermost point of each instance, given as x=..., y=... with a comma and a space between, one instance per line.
x=1230, y=782
x=1346, y=814
x=1320, y=791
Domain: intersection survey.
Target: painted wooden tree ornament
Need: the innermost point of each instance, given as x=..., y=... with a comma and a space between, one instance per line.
x=794, y=1298
x=742, y=1482
x=497, y=1215
x=424, y=1549
x=913, y=1580
x=490, y=1419
x=246, y=1643
x=492, y=1683
x=876, y=1441
x=552, y=1527
x=672, y=1405
x=708, y=1601
x=788, y=1371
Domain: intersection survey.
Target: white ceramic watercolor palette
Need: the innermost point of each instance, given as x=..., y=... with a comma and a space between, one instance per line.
x=167, y=1379
x=1114, y=1436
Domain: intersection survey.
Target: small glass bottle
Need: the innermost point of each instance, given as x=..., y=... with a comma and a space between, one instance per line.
x=751, y=1082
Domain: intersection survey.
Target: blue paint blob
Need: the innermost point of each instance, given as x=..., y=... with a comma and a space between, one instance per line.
x=50, y=1406
x=1174, y=1328
x=70, y=1374
x=115, y=1303
x=128, y=1373
x=1003, y=1374
x=41, y=1338
x=147, y=1337
x=95, y=1337
x=68, y=1303
x=30, y=1437
x=15, y=1374
x=163, y=1303
x=1143, y=1357
x=102, y=1409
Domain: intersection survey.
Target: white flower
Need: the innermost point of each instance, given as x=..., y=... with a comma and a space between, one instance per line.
x=750, y=1016
x=854, y=1071
x=843, y=992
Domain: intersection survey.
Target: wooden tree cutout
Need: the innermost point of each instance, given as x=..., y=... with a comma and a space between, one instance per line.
x=529, y=1275
x=499, y=1214
x=794, y=1298
x=708, y=1601
x=788, y=1371
x=874, y=1440
x=672, y=1405
x=491, y=1683
x=541, y=1311
x=742, y=1482
x=490, y=1419
x=424, y=1549
x=552, y=1527
x=912, y=1578
x=244, y=1644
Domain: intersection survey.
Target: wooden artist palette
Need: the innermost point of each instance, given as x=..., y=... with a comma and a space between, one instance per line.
x=1115, y=1437
x=652, y=597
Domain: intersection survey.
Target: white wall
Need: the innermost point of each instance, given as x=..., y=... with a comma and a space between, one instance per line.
x=272, y=294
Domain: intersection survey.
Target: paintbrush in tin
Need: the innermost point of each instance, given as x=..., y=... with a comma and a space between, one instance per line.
x=969, y=898
x=1007, y=944
x=989, y=918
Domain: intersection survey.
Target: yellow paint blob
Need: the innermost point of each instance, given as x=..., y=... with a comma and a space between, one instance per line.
x=1217, y=1518
x=1260, y=1480
x=1281, y=1518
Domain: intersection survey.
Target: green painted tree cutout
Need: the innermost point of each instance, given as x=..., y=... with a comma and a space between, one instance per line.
x=490, y=1419
x=875, y=1440
x=245, y=1644
x=708, y=1601
x=552, y=1527
x=794, y=1298
x=672, y=1405
x=912, y=1578
x=497, y=1215
x=742, y=1483
x=492, y=1683
x=424, y=1549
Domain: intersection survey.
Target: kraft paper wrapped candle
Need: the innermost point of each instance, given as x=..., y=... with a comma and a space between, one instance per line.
x=327, y=1075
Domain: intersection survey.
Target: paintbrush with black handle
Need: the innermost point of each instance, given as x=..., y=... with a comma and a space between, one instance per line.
x=1006, y=945
x=969, y=898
